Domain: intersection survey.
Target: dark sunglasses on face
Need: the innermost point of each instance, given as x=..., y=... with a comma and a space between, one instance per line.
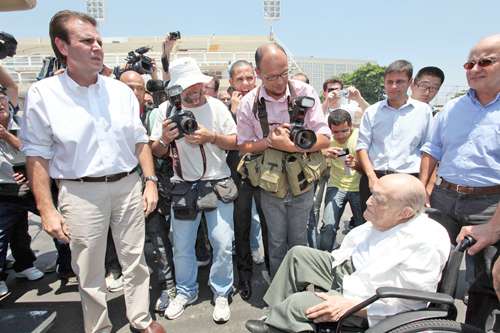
x=483, y=62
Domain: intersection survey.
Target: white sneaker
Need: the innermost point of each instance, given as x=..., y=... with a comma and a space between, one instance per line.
x=257, y=257
x=3, y=288
x=166, y=296
x=114, y=285
x=221, y=313
x=31, y=274
x=176, y=306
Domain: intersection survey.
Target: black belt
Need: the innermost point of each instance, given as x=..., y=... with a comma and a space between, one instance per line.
x=105, y=179
x=381, y=173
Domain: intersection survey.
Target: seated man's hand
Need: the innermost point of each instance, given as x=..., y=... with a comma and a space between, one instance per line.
x=333, y=307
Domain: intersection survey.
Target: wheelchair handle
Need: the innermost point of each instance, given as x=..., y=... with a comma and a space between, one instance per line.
x=467, y=242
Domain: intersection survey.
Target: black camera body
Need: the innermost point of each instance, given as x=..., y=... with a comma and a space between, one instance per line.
x=183, y=119
x=157, y=88
x=8, y=45
x=139, y=62
x=174, y=35
x=302, y=137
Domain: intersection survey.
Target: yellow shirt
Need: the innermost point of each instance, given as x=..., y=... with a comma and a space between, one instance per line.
x=338, y=177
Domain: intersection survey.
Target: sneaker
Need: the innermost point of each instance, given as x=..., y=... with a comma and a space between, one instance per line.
x=166, y=296
x=257, y=257
x=176, y=306
x=221, y=313
x=114, y=284
x=31, y=274
x=3, y=289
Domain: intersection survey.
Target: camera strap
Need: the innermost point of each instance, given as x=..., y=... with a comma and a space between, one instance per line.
x=260, y=112
x=175, y=154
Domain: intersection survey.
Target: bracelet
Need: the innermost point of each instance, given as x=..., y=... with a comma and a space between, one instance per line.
x=162, y=143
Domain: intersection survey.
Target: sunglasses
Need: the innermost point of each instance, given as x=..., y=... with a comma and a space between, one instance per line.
x=483, y=62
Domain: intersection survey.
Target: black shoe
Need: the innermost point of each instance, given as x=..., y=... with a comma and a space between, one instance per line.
x=245, y=289
x=257, y=326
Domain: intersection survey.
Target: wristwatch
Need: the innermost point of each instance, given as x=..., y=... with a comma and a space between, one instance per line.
x=152, y=178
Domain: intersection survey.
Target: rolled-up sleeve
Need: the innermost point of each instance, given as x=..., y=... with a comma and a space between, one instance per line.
x=36, y=132
x=365, y=132
x=434, y=145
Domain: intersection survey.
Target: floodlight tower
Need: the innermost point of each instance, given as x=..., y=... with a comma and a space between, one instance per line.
x=95, y=8
x=271, y=14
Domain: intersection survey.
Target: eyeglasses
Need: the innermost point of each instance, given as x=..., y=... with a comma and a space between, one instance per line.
x=275, y=77
x=483, y=62
x=426, y=87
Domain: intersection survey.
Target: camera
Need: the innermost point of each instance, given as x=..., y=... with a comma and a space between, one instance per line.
x=183, y=119
x=8, y=45
x=157, y=88
x=49, y=66
x=174, y=35
x=344, y=93
x=299, y=135
x=139, y=62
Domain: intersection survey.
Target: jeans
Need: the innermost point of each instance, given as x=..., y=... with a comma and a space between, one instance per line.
x=335, y=202
x=220, y=234
x=14, y=230
x=255, y=229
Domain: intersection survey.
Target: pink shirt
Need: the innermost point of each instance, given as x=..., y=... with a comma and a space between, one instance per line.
x=248, y=124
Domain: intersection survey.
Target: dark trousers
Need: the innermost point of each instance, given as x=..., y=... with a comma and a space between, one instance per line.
x=242, y=223
x=14, y=230
x=364, y=188
x=458, y=210
x=157, y=230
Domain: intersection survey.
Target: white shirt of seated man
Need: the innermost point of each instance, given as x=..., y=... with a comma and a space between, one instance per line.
x=398, y=246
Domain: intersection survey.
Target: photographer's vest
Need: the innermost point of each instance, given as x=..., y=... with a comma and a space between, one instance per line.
x=276, y=171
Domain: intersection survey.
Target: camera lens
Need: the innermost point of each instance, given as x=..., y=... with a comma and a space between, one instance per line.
x=189, y=125
x=304, y=139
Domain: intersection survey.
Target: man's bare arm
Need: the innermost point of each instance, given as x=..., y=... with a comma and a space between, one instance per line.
x=150, y=195
x=367, y=166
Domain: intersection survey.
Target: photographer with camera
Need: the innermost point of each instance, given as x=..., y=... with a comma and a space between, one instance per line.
x=15, y=201
x=196, y=130
x=277, y=142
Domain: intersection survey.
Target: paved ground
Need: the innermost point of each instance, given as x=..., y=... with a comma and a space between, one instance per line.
x=49, y=293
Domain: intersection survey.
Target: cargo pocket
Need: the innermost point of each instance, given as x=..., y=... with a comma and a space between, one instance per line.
x=272, y=177
x=297, y=180
x=313, y=165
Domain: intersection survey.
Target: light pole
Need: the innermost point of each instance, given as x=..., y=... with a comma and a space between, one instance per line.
x=271, y=14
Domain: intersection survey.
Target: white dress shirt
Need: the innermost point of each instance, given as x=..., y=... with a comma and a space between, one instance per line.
x=83, y=131
x=214, y=116
x=409, y=255
x=393, y=137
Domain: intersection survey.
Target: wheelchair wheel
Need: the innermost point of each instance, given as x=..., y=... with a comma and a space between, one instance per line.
x=436, y=326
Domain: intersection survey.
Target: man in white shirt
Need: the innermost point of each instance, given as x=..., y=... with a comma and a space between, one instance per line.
x=399, y=246
x=200, y=172
x=84, y=130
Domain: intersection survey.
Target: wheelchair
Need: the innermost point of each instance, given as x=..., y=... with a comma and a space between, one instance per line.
x=440, y=315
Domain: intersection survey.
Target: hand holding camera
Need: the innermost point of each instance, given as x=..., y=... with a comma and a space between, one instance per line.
x=170, y=132
x=201, y=136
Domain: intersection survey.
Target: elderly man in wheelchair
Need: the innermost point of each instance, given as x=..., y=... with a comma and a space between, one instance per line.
x=398, y=247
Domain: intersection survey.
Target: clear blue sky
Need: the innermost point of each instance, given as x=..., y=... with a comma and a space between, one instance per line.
x=425, y=32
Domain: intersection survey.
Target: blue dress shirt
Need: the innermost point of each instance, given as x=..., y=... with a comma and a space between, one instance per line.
x=393, y=137
x=466, y=140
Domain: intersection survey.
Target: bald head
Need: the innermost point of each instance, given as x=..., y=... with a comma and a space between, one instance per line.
x=135, y=82
x=485, y=78
x=271, y=51
x=406, y=189
x=488, y=43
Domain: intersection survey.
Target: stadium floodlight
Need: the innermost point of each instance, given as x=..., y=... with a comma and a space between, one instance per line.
x=95, y=8
x=272, y=10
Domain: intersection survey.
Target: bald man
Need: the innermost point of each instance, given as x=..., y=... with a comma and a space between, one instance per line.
x=270, y=134
x=398, y=246
x=465, y=139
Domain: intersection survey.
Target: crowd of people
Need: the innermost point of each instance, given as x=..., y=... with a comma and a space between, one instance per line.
x=218, y=174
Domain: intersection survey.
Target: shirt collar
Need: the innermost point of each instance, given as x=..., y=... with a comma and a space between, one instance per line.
x=75, y=87
x=284, y=98
x=471, y=93
x=409, y=101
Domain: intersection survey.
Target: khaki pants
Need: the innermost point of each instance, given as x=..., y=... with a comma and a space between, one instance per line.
x=90, y=209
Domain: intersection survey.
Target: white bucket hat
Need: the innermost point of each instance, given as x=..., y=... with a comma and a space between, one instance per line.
x=185, y=73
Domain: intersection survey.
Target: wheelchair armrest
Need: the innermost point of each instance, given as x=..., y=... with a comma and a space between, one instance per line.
x=390, y=292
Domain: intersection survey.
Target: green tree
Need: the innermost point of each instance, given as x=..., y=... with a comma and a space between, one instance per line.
x=369, y=80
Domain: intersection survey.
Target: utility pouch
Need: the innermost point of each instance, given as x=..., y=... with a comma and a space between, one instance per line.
x=273, y=177
x=207, y=199
x=295, y=175
x=313, y=165
x=226, y=190
x=250, y=167
x=184, y=197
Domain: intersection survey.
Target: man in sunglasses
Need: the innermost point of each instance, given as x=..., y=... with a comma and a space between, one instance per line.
x=465, y=139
